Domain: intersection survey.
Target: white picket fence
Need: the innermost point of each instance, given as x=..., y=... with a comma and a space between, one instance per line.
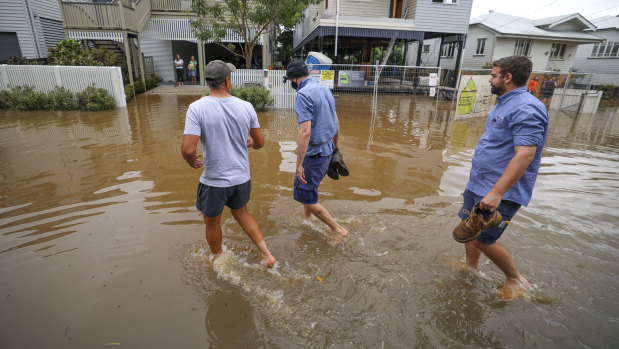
x=283, y=95
x=366, y=81
x=75, y=79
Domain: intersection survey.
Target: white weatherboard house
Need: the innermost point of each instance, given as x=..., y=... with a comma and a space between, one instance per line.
x=152, y=29
x=348, y=30
x=551, y=43
x=29, y=27
x=601, y=58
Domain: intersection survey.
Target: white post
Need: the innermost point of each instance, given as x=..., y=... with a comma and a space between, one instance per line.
x=337, y=23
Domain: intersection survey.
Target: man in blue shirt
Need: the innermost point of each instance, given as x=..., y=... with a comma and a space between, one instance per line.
x=318, y=134
x=506, y=161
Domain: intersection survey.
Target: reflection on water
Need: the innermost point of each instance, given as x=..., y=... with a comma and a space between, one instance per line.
x=100, y=242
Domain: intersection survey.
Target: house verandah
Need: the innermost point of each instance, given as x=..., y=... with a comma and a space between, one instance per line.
x=151, y=30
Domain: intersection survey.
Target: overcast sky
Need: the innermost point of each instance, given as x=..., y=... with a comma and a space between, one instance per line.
x=535, y=9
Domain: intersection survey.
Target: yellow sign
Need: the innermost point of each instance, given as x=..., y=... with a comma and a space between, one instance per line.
x=327, y=74
x=466, y=103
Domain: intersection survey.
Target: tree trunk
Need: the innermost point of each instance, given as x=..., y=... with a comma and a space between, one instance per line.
x=249, y=52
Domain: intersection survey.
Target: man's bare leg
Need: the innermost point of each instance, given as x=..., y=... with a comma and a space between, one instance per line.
x=213, y=233
x=499, y=255
x=321, y=212
x=472, y=255
x=252, y=229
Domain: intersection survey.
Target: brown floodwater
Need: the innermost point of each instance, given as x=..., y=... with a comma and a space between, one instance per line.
x=101, y=245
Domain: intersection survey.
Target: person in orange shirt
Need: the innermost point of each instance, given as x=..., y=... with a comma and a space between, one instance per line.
x=533, y=85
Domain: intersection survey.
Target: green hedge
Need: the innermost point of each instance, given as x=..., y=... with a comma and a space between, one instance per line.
x=26, y=98
x=609, y=91
x=95, y=99
x=258, y=96
x=61, y=99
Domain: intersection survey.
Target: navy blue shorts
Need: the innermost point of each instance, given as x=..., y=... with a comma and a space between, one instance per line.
x=211, y=200
x=507, y=209
x=315, y=169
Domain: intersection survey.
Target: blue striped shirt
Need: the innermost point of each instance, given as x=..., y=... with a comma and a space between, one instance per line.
x=518, y=119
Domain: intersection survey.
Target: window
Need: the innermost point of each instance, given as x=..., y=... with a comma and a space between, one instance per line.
x=426, y=48
x=481, y=44
x=557, y=51
x=607, y=49
x=523, y=47
x=448, y=49
x=445, y=1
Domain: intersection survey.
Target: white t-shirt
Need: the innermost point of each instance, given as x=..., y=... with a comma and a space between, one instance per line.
x=181, y=62
x=223, y=125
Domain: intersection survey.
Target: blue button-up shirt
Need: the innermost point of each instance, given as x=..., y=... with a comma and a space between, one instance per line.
x=315, y=103
x=518, y=119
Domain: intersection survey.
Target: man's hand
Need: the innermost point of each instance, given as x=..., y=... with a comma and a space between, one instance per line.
x=250, y=142
x=197, y=162
x=514, y=170
x=490, y=202
x=301, y=174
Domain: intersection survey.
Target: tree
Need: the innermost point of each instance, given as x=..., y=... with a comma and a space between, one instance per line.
x=247, y=18
x=284, y=49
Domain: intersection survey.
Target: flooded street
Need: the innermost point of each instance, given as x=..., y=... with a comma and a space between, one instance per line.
x=101, y=244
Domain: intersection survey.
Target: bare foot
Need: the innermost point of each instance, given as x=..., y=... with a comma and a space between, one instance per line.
x=267, y=259
x=458, y=264
x=339, y=230
x=513, y=289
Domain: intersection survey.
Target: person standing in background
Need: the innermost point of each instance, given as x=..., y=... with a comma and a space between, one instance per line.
x=548, y=89
x=179, y=67
x=533, y=85
x=192, y=68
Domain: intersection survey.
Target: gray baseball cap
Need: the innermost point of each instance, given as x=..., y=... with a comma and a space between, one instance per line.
x=218, y=70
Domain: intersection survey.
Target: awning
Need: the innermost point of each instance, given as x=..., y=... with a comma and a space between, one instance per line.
x=370, y=33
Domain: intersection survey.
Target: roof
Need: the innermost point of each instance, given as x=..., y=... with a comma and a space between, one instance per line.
x=508, y=25
x=606, y=22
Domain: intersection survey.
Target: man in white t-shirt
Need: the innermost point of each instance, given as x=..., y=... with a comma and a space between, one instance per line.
x=226, y=127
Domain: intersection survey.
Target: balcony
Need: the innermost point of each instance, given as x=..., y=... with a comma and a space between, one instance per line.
x=117, y=15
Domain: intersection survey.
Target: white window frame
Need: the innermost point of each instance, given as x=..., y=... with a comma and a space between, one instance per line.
x=481, y=47
x=425, y=48
x=523, y=47
x=557, y=51
x=447, y=2
x=448, y=50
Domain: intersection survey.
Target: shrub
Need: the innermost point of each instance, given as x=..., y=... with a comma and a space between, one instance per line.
x=129, y=92
x=152, y=82
x=609, y=91
x=487, y=65
x=139, y=87
x=95, y=99
x=4, y=99
x=277, y=65
x=17, y=60
x=258, y=96
x=24, y=98
x=61, y=99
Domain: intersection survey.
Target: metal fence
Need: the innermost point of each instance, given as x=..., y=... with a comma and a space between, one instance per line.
x=354, y=85
x=566, y=92
x=76, y=79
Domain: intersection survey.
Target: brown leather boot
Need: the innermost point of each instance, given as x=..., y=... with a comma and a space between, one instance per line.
x=470, y=228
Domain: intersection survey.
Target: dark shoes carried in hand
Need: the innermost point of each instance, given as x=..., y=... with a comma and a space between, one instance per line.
x=470, y=228
x=337, y=167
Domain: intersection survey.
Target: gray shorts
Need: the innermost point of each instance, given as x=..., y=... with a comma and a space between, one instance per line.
x=211, y=200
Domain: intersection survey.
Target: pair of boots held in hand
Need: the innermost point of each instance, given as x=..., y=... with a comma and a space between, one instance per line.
x=470, y=228
x=337, y=167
